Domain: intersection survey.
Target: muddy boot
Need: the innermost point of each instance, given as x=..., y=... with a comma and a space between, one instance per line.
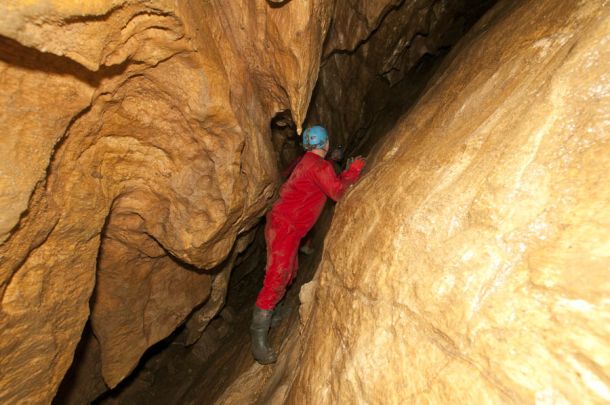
x=261, y=319
x=281, y=312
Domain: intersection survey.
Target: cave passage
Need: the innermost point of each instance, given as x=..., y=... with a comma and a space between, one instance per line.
x=183, y=369
x=145, y=142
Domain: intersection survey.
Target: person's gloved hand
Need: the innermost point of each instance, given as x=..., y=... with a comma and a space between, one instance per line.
x=357, y=163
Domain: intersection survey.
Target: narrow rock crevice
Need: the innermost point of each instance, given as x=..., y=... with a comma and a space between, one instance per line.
x=347, y=52
x=15, y=54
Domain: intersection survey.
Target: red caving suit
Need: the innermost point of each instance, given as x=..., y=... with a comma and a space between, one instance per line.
x=301, y=201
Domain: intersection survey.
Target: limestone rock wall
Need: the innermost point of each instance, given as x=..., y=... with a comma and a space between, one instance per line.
x=372, y=47
x=471, y=263
x=136, y=142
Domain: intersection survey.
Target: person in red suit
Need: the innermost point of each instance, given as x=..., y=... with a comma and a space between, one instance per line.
x=301, y=201
x=335, y=157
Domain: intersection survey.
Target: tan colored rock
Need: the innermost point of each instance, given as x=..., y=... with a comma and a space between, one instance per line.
x=277, y=49
x=141, y=127
x=141, y=293
x=470, y=265
x=215, y=301
x=24, y=111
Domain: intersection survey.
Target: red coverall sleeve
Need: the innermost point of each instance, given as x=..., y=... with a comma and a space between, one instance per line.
x=332, y=185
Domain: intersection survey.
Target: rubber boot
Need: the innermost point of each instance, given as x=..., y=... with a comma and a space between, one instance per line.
x=261, y=320
x=281, y=312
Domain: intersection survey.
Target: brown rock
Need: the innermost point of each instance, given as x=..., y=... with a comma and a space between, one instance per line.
x=470, y=265
x=143, y=128
x=141, y=293
x=24, y=108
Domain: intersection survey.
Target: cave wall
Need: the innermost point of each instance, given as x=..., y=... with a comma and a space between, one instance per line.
x=136, y=144
x=370, y=54
x=470, y=264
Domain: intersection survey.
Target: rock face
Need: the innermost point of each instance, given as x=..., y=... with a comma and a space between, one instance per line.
x=471, y=264
x=371, y=52
x=136, y=143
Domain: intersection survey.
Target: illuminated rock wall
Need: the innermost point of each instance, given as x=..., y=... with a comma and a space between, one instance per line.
x=136, y=141
x=471, y=263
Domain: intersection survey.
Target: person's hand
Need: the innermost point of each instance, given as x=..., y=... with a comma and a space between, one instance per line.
x=358, y=161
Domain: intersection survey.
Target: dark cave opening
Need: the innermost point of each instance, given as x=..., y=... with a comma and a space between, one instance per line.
x=284, y=139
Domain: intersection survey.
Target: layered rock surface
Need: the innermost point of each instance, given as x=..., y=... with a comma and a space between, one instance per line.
x=470, y=265
x=136, y=142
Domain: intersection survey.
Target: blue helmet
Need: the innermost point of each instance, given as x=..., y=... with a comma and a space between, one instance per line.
x=314, y=137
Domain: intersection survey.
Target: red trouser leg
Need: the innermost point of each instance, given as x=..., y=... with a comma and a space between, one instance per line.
x=282, y=246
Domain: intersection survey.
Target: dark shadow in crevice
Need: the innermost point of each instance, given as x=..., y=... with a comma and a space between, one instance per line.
x=371, y=33
x=405, y=95
x=284, y=139
x=140, y=372
x=83, y=381
x=402, y=95
x=14, y=53
x=277, y=3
